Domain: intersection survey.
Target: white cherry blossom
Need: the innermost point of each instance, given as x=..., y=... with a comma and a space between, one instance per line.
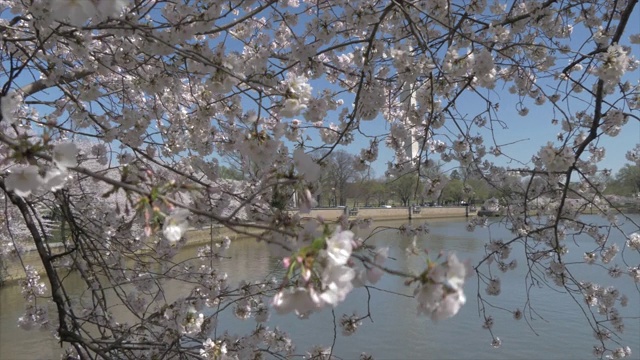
x=301, y=301
x=175, y=225
x=55, y=179
x=24, y=180
x=633, y=241
x=339, y=246
x=76, y=12
x=9, y=105
x=111, y=8
x=439, y=302
x=64, y=155
x=337, y=281
x=292, y=107
x=440, y=295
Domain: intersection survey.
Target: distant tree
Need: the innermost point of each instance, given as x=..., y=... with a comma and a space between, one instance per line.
x=453, y=191
x=626, y=181
x=380, y=191
x=340, y=170
x=367, y=190
x=406, y=188
x=432, y=180
x=479, y=189
x=359, y=188
x=230, y=173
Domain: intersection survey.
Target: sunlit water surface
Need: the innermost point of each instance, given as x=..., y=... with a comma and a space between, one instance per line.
x=558, y=329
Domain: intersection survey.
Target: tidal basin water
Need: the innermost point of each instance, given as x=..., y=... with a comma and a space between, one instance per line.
x=558, y=329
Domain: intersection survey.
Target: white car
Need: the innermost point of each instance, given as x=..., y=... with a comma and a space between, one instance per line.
x=386, y=206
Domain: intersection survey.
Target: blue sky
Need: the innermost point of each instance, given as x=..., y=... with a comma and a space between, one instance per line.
x=525, y=134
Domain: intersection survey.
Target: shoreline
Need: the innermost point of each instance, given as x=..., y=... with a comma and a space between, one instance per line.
x=11, y=270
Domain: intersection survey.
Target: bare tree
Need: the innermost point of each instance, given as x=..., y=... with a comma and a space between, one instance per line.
x=340, y=171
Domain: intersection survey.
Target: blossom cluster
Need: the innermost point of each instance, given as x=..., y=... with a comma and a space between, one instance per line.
x=324, y=276
x=25, y=180
x=297, y=95
x=440, y=293
x=36, y=314
x=633, y=241
x=78, y=12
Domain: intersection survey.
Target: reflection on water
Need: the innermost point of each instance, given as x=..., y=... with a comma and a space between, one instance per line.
x=396, y=332
x=244, y=260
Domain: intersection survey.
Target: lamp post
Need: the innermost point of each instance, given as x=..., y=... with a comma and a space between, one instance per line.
x=335, y=198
